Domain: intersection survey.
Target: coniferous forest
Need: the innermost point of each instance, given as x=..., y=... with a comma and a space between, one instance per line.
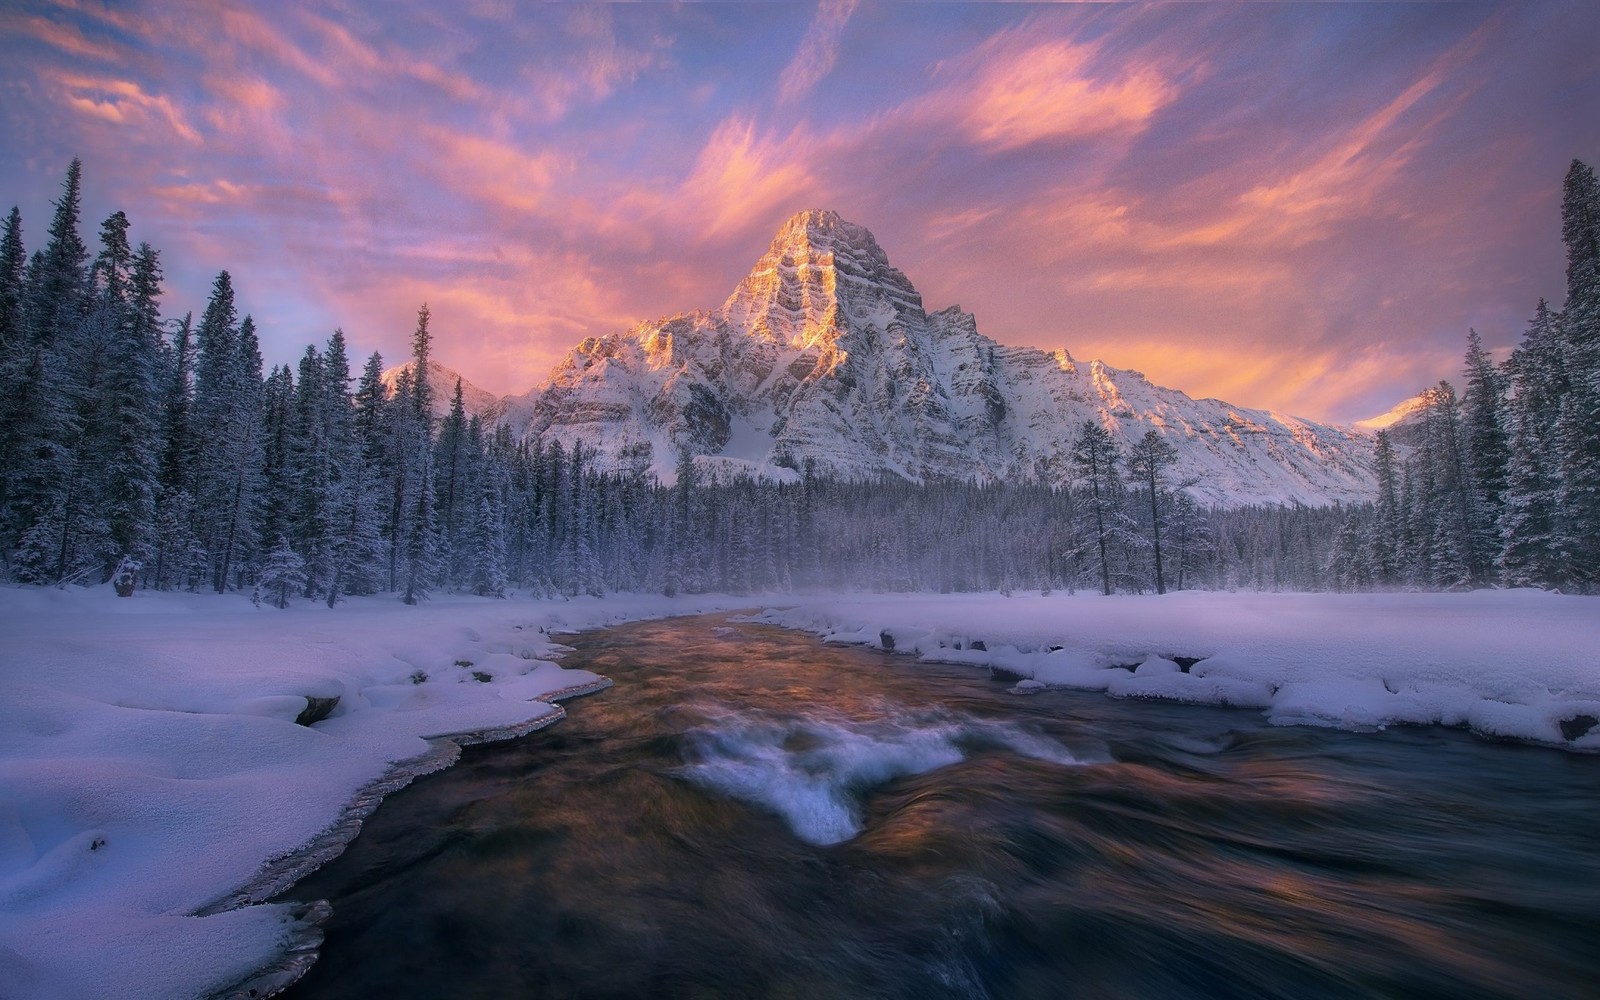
x=154, y=450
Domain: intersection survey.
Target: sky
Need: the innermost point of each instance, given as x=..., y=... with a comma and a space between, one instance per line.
x=1302, y=207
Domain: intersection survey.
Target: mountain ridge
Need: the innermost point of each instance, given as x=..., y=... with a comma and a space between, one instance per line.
x=825, y=352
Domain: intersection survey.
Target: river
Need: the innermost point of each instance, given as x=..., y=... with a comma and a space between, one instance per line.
x=749, y=813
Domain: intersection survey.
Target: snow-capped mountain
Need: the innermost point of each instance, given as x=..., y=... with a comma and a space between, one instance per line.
x=824, y=352
x=475, y=401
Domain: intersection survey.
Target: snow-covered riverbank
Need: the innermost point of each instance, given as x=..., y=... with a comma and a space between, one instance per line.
x=1522, y=665
x=151, y=764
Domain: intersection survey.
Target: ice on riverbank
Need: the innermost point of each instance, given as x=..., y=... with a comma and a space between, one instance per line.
x=1522, y=665
x=151, y=766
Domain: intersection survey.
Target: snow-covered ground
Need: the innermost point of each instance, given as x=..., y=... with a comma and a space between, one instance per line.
x=154, y=784
x=1519, y=664
x=151, y=765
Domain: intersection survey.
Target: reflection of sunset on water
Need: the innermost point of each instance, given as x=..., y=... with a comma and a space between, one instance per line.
x=1294, y=207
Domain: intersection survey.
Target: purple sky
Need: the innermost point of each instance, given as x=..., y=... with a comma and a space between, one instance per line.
x=1297, y=206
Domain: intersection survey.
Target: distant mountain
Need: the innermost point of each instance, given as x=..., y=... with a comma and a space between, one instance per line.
x=1406, y=422
x=442, y=380
x=824, y=352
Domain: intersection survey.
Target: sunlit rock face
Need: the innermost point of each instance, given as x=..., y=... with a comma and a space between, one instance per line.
x=824, y=353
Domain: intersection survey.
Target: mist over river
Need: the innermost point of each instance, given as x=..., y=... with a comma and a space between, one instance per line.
x=750, y=813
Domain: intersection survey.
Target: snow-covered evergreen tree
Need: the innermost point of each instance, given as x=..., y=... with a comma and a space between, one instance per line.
x=13, y=269
x=452, y=487
x=1148, y=462
x=1531, y=503
x=283, y=574
x=1577, y=432
x=229, y=454
x=1487, y=451
x=1097, y=459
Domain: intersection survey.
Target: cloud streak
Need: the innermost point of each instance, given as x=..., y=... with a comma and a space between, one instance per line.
x=818, y=51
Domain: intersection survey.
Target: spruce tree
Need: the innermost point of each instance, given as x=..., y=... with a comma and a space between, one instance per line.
x=1386, y=556
x=1148, y=462
x=1487, y=450
x=283, y=574
x=229, y=452
x=41, y=480
x=1577, y=435
x=451, y=487
x=111, y=275
x=279, y=442
x=1531, y=509
x=1096, y=458
x=18, y=362
x=13, y=270
x=58, y=284
x=125, y=428
x=364, y=548
x=488, y=548
x=1580, y=232
x=421, y=356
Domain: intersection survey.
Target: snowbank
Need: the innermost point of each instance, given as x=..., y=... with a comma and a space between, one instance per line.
x=1521, y=664
x=155, y=785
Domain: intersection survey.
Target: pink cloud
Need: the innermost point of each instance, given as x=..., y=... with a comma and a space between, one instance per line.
x=500, y=174
x=741, y=175
x=122, y=102
x=1014, y=91
x=66, y=37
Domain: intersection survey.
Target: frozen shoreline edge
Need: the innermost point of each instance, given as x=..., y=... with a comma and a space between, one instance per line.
x=774, y=616
x=278, y=875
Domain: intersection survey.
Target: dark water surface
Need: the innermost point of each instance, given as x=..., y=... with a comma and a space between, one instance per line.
x=749, y=813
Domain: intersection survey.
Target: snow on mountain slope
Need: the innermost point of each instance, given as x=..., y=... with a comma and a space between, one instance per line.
x=824, y=352
x=442, y=380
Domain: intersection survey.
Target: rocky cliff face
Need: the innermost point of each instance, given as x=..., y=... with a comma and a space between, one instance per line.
x=824, y=352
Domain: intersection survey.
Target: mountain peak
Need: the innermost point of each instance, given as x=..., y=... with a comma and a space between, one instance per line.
x=817, y=224
x=817, y=267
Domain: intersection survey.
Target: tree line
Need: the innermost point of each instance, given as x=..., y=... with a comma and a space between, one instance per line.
x=158, y=451
x=1499, y=485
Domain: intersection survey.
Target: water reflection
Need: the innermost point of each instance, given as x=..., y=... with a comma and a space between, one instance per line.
x=750, y=814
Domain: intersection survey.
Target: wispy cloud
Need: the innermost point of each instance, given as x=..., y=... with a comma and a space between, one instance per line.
x=68, y=38
x=122, y=102
x=818, y=51
x=1015, y=90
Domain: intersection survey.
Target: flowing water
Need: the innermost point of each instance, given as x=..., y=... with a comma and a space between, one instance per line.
x=749, y=813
